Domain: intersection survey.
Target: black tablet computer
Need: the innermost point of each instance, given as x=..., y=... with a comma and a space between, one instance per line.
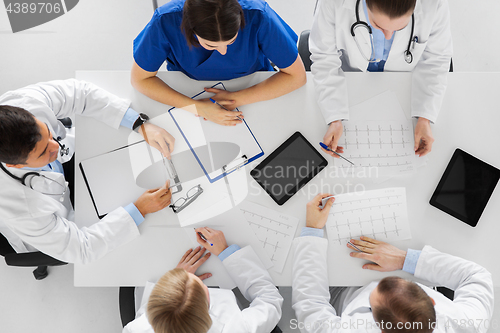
x=287, y=169
x=466, y=187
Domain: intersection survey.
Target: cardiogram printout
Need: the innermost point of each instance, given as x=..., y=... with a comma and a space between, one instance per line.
x=385, y=146
x=379, y=214
x=274, y=230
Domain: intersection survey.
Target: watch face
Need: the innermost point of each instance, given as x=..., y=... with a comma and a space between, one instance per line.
x=144, y=117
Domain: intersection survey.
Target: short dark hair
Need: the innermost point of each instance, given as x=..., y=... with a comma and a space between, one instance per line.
x=403, y=302
x=213, y=20
x=392, y=8
x=19, y=134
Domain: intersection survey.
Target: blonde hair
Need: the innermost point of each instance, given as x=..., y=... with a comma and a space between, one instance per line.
x=178, y=304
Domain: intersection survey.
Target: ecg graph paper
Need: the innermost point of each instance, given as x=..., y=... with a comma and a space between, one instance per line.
x=386, y=145
x=274, y=230
x=380, y=214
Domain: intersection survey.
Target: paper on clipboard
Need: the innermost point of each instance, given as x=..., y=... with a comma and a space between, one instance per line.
x=215, y=162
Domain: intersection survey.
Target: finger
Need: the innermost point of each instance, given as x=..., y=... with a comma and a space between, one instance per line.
x=200, y=240
x=185, y=255
x=373, y=267
x=202, y=260
x=426, y=149
x=163, y=147
x=329, y=204
x=361, y=255
x=226, y=102
x=233, y=122
x=417, y=143
x=204, y=276
x=197, y=256
x=213, y=90
x=364, y=246
x=370, y=240
x=192, y=253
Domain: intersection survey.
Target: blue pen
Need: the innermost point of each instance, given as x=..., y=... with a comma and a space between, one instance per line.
x=203, y=237
x=215, y=102
x=325, y=147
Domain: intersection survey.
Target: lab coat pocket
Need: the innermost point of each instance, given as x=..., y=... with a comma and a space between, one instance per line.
x=401, y=64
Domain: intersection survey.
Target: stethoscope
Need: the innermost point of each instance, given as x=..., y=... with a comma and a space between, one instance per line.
x=407, y=54
x=27, y=178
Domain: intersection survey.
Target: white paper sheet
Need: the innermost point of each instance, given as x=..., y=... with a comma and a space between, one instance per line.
x=274, y=230
x=384, y=106
x=381, y=148
x=379, y=214
x=236, y=231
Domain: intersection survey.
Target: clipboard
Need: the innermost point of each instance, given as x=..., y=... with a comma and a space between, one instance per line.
x=198, y=133
x=110, y=188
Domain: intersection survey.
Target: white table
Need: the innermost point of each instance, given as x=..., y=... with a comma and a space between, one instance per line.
x=469, y=119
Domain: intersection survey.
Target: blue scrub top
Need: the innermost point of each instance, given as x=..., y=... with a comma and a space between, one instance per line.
x=265, y=37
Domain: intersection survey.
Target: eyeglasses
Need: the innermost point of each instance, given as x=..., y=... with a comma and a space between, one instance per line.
x=191, y=196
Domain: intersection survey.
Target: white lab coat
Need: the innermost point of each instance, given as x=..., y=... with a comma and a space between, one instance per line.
x=472, y=283
x=34, y=221
x=331, y=39
x=254, y=282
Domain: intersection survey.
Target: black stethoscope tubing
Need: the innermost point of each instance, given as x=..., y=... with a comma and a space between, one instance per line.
x=407, y=54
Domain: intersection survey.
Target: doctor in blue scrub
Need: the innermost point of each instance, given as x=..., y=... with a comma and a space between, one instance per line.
x=217, y=40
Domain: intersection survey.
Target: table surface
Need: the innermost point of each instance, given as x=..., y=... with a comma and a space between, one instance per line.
x=467, y=120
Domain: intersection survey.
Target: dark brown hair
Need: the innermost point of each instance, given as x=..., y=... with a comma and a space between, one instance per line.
x=19, y=134
x=392, y=8
x=213, y=20
x=178, y=304
x=403, y=307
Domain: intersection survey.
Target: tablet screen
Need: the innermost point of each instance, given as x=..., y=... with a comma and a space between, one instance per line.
x=286, y=170
x=466, y=187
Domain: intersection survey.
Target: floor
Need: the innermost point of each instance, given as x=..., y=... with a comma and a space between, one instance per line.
x=97, y=35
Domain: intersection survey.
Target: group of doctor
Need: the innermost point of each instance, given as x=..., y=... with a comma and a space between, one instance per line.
x=222, y=40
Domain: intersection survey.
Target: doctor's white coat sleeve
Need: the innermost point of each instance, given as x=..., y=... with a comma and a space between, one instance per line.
x=310, y=294
x=62, y=239
x=473, y=284
x=429, y=78
x=70, y=97
x=255, y=283
x=328, y=77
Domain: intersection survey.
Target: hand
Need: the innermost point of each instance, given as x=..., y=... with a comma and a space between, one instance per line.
x=315, y=216
x=223, y=97
x=193, y=259
x=154, y=200
x=215, y=237
x=213, y=112
x=158, y=138
x=423, y=137
x=386, y=257
x=332, y=136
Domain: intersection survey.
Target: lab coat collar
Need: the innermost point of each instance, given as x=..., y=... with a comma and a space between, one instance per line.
x=361, y=301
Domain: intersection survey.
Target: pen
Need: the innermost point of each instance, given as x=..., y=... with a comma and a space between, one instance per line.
x=215, y=102
x=354, y=246
x=203, y=237
x=327, y=148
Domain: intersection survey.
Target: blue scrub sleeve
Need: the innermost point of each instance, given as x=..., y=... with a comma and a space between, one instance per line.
x=151, y=46
x=276, y=39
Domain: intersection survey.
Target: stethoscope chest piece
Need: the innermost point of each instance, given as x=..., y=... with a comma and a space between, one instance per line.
x=408, y=57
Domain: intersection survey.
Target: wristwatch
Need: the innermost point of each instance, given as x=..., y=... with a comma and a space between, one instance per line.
x=141, y=120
